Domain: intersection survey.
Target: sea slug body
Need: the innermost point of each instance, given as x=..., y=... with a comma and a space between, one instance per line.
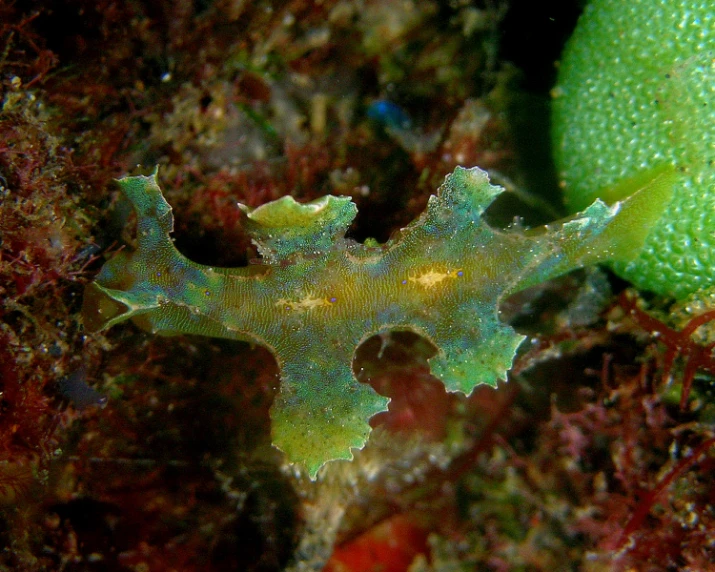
x=317, y=296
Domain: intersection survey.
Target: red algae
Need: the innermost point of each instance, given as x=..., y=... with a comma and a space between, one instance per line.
x=391, y=546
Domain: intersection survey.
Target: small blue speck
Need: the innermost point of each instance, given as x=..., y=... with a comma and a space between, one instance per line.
x=389, y=114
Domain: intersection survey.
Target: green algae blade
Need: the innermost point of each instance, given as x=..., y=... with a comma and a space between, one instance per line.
x=635, y=92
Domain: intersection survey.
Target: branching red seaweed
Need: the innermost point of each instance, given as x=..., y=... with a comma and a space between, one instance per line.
x=678, y=344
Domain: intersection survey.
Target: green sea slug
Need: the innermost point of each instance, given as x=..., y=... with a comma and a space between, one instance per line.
x=636, y=96
x=316, y=296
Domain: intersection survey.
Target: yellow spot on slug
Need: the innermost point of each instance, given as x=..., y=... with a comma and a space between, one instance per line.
x=432, y=278
x=306, y=304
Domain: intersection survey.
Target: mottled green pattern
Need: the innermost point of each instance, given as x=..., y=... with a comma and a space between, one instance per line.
x=636, y=92
x=318, y=296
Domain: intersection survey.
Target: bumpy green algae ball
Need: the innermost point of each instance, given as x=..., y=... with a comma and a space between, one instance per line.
x=636, y=98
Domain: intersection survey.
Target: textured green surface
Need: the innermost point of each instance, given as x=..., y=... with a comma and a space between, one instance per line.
x=636, y=92
x=317, y=296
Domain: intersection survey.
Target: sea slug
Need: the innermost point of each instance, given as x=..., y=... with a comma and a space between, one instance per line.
x=316, y=296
